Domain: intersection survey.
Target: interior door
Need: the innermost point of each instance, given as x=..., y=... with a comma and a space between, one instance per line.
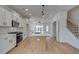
x=54, y=29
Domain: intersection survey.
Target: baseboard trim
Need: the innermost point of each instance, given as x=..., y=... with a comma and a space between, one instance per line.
x=69, y=45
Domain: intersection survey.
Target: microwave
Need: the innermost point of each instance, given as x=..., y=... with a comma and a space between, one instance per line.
x=15, y=23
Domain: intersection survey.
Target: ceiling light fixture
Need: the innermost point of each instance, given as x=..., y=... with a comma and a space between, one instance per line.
x=43, y=13
x=26, y=9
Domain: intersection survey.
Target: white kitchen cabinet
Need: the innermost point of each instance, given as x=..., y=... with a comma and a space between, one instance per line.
x=7, y=42
x=1, y=45
x=13, y=15
x=8, y=18
x=4, y=45
x=12, y=41
x=1, y=16
x=23, y=22
x=20, y=22
x=5, y=17
x=17, y=18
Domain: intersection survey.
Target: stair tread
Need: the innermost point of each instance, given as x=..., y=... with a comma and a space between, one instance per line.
x=73, y=28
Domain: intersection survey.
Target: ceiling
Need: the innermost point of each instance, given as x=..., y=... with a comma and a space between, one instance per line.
x=35, y=10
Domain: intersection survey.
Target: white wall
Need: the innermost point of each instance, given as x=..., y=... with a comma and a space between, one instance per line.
x=62, y=25
x=74, y=15
x=64, y=35
x=33, y=21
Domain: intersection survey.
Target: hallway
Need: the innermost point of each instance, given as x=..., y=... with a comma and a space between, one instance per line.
x=43, y=45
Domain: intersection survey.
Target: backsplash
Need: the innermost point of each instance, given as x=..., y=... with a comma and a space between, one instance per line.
x=4, y=30
x=9, y=29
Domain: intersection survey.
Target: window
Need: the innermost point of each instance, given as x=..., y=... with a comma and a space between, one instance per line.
x=39, y=28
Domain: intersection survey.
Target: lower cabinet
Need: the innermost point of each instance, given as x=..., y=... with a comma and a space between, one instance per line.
x=12, y=41
x=4, y=45
x=7, y=43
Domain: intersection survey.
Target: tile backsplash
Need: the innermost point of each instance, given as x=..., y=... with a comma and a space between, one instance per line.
x=8, y=29
x=4, y=30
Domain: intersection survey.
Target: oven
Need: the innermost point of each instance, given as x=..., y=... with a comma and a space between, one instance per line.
x=19, y=37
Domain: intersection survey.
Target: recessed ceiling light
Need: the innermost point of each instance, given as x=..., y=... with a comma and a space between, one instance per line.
x=26, y=9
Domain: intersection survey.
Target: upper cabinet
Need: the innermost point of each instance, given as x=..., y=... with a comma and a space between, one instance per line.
x=1, y=16
x=17, y=18
x=8, y=18
x=5, y=17
x=14, y=16
x=21, y=22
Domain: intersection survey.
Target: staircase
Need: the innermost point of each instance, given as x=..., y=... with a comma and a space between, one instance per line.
x=67, y=31
x=73, y=28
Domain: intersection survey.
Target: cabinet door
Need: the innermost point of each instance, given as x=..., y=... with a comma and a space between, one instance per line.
x=4, y=45
x=2, y=16
x=19, y=20
x=8, y=18
x=12, y=41
x=1, y=45
x=22, y=22
x=5, y=17
x=15, y=16
x=7, y=43
x=4, y=23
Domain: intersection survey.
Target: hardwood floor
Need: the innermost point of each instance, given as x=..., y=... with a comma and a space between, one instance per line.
x=42, y=45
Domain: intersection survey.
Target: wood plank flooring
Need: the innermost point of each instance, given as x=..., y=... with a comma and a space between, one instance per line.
x=41, y=45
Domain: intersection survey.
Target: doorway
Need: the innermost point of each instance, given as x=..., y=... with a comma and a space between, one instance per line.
x=54, y=30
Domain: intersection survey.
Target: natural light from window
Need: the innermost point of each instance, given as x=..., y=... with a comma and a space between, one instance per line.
x=40, y=29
